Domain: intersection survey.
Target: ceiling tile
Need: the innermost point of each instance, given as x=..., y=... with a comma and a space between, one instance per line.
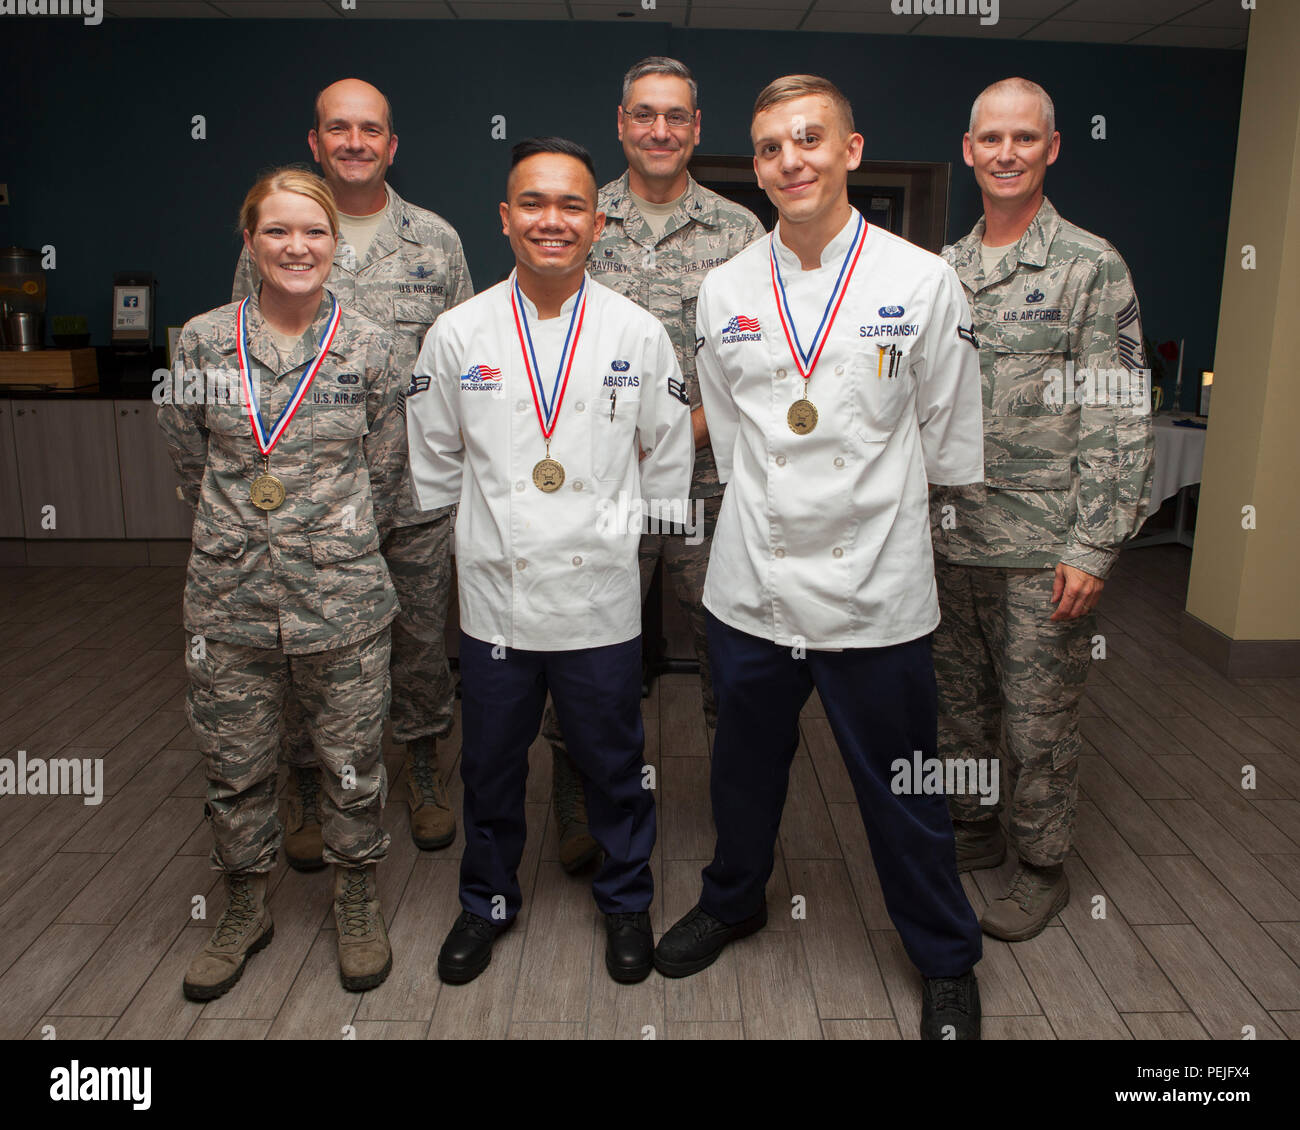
x=1127, y=11
x=971, y=26
x=1067, y=31
x=515, y=10
x=279, y=9
x=766, y=19
x=870, y=23
x=171, y=10
x=661, y=12
x=1179, y=35
x=1217, y=13
x=400, y=10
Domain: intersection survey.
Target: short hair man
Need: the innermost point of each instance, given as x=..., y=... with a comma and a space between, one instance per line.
x=838, y=374
x=663, y=233
x=546, y=405
x=402, y=266
x=1067, y=443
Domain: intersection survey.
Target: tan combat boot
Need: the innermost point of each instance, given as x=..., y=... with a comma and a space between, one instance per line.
x=365, y=958
x=244, y=928
x=433, y=824
x=980, y=844
x=1036, y=894
x=303, y=845
x=577, y=847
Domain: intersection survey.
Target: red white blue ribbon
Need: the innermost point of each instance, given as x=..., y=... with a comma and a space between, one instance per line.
x=548, y=408
x=264, y=441
x=806, y=359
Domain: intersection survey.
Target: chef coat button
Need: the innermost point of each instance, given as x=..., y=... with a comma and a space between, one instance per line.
x=837, y=552
x=780, y=373
x=780, y=460
x=577, y=560
x=580, y=406
x=521, y=564
x=577, y=484
x=839, y=370
x=520, y=405
x=839, y=461
x=780, y=553
x=519, y=484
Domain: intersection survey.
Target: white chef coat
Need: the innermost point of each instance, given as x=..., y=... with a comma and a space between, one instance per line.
x=824, y=539
x=558, y=571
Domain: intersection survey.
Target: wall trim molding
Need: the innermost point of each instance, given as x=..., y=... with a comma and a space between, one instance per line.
x=1239, y=659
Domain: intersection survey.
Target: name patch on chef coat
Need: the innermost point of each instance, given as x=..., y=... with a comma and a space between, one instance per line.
x=889, y=329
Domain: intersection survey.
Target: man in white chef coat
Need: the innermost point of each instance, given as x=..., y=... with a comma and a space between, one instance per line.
x=550, y=408
x=838, y=373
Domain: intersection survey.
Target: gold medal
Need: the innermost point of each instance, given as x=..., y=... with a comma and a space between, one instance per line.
x=548, y=475
x=802, y=417
x=267, y=492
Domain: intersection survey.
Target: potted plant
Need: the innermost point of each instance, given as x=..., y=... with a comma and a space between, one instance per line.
x=70, y=331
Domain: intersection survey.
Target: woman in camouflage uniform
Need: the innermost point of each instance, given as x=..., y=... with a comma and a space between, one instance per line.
x=288, y=441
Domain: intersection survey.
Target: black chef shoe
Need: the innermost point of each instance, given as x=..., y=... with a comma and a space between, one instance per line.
x=468, y=948
x=950, y=1008
x=629, y=947
x=695, y=942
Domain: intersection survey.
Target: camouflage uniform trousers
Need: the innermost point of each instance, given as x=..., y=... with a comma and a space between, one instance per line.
x=236, y=697
x=685, y=565
x=419, y=563
x=1001, y=662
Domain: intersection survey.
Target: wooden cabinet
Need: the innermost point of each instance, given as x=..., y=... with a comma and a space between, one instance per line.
x=11, y=506
x=67, y=459
x=150, y=506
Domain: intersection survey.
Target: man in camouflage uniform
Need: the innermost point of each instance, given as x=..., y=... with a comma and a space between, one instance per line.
x=663, y=233
x=1067, y=448
x=291, y=596
x=409, y=269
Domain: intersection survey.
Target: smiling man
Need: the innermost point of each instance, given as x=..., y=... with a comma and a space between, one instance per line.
x=1023, y=556
x=544, y=405
x=837, y=372
x=663, y=233
x=402, y=266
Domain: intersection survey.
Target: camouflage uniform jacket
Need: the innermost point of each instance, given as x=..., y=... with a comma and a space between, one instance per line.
x=307, y=576
x=414, y=270
x=1067, y=476
x=663, y=275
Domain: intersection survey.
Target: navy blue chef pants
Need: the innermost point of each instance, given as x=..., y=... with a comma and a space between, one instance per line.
x=597, y=694
x=881, y=705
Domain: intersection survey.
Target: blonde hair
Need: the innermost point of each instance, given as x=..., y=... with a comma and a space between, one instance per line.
x=790, y=87
x=1016, y=86
x=288, y=178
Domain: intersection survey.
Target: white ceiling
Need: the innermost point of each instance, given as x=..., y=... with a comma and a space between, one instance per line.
x=1156, y=23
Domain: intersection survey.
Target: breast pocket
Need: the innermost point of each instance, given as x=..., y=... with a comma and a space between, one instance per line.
x=1032, y=375
x=613, y=433
x=881, y=379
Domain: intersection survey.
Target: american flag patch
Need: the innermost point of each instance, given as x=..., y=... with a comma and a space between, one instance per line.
x=741, y=324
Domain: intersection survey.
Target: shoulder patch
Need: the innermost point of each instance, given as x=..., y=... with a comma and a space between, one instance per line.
x=967, y=333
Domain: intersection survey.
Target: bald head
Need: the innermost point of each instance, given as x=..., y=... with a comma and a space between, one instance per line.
x=349, y=96
x=1016, y=87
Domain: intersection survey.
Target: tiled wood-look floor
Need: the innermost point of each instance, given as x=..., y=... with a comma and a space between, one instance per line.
x=1200, y=878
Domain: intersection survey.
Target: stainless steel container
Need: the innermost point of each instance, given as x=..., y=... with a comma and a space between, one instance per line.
x=24, y=331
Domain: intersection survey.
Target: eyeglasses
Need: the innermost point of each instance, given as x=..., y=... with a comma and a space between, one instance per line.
x=677, y=119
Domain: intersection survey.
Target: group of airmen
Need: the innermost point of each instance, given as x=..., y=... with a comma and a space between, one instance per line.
x=862, y=424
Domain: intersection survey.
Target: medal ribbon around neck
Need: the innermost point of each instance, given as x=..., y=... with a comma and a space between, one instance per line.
x=806, y=360
x=264, y=441
x=548, y=412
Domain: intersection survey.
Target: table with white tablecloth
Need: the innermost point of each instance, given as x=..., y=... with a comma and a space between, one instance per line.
x=1180, y=451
